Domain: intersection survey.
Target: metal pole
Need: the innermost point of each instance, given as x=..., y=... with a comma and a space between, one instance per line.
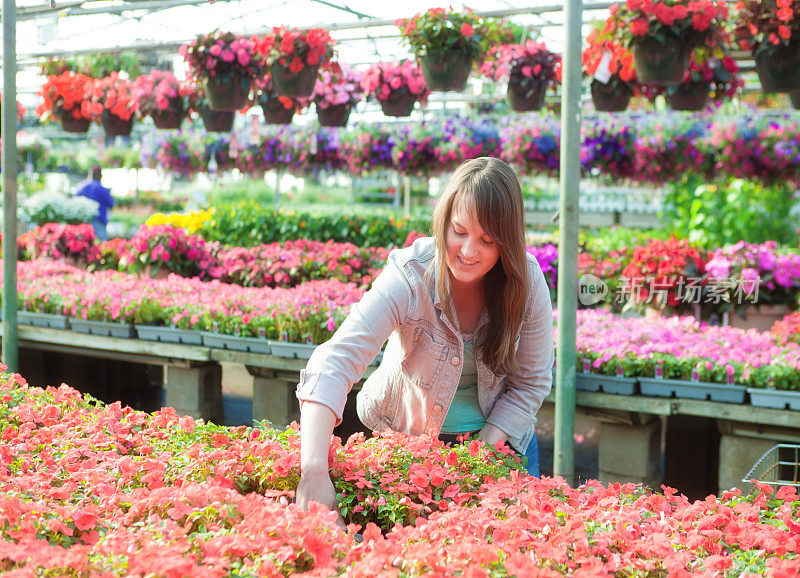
x=406, y=196
x=9, y=168
x=564, y=447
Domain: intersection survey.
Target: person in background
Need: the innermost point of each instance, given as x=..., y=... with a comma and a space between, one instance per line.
x=470, y=327
x=92, y=189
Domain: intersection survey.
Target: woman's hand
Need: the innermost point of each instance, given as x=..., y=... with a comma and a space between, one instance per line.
x=316, y=427
x=317, y=487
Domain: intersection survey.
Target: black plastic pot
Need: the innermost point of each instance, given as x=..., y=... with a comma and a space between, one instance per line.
x=336, y=115
x=446, y=71
x=661, y=63
x=294, y=84
x=526, y=99
x=611, y=97
x=229, y=95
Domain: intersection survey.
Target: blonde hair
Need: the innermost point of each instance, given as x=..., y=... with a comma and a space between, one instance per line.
x=492, y=191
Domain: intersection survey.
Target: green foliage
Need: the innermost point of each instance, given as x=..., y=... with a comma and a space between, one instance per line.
x=96, y=65
x=100, y=65
x=731, y=211
x=254, y=190
x=248, y=223
x=602, y=240
x=121, y=157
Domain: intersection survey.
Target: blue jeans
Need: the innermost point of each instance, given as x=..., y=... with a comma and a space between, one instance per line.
x=532, y=453
x=100, y=230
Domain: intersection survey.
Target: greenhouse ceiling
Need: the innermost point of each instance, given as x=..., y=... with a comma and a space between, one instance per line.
x=363, y=28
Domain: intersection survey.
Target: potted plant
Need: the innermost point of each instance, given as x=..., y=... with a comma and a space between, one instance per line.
x=277, y=109
x=336, y=92
x=771, y=30
x=663, y=33
x=112, y=104
x=214, y=120
x=665, y=275
x=294, y=57
x=162, y=97
x=708, y=78
x=759, y=284
x=610, y=65
x=226, y=64
x=530, y=69
x=447, y=43
x=66, y=97
x=396, y=86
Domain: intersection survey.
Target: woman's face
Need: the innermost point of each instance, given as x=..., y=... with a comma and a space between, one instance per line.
x=471, y=253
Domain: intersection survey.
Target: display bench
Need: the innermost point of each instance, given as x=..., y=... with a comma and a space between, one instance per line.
x=632, y=433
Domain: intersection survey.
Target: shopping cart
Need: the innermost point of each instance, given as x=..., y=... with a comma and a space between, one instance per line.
x=780, y=466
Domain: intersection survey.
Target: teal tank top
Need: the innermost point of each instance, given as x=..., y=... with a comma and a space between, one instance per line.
x=465, y=414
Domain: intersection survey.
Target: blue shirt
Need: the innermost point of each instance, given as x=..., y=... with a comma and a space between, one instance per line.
x=92, y=189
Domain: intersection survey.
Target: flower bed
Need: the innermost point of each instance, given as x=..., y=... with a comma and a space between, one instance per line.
x=294, y=262
x=681, y=345
x=92, y=488
x=310, y=311
x=248, y=223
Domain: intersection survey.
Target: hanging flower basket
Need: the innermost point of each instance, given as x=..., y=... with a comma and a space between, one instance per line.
x=613, y=96
x=167, y=119
x=661, y=63
x=446, y=71
x=778, y=67
x=227, y=93
x=114, y=125
x=689, y=96
x=398, y=103
x=294, y=84
x=396, y=86
x=527, y=99
x=71, y=124
x=217, y=120
x=275, y=112
x=334, y=115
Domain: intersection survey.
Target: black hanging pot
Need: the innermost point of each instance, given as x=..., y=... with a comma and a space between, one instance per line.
x=227, y=93
x=293, y=84
x=217, y=120
x=613, y=96
x=689, y=96
x=661, y=63
x=71, y=124
x=398, y=103
x=446, y=71
x=275, y=112
x=334, y=115
x=778, y=67
x=526, y=99
x=114, y=125
x=168, y=119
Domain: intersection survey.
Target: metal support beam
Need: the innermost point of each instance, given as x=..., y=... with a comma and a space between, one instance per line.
x=570, y=171
x=9, y=169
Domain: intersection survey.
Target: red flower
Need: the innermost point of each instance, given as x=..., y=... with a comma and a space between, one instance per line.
x=467, y=30
x=639, y=27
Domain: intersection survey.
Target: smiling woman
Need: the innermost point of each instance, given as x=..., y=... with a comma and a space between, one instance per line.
x=469, y=325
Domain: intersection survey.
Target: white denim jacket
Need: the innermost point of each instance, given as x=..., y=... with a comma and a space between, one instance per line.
x=414, y=385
